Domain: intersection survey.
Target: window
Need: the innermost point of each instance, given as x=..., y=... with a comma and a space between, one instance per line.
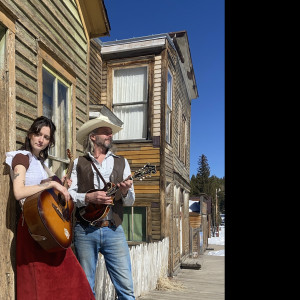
x=134, y=223
x=57, y=107
x=185, y=140
x=130, y=102
x=169, y=107
x=183, y=137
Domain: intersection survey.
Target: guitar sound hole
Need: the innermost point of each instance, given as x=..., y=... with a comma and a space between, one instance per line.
x=61, y=200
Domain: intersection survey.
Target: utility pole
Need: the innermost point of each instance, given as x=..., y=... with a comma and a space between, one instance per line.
x=217, y=223
x=216, y=215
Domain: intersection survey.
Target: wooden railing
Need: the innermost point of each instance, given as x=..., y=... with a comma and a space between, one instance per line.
x=149, y=262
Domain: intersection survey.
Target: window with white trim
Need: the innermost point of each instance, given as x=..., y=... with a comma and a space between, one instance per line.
x=130, y=102
x=57, y=107
x=169, y=107
x=134, y=223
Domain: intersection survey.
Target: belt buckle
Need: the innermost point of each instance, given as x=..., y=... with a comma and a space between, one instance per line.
x=93, y=223
x=105, y=223
x=98, y=223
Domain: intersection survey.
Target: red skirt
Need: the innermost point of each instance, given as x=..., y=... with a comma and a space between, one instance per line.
x=44, y=276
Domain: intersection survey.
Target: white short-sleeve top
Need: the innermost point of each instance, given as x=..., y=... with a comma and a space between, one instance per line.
x=35, y=172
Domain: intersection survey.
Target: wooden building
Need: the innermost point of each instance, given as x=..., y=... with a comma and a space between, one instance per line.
x=199, y=222
x=44, y=65
x=148, y=83
x=51, y=65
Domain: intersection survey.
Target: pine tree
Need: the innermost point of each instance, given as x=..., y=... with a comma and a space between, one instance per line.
x=203, y=167
x=203, y=175
x=212, y=186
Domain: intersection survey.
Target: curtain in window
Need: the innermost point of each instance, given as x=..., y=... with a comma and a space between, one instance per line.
x=130, y=90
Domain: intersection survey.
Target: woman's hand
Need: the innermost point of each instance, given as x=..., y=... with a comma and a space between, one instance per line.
x=63, y=190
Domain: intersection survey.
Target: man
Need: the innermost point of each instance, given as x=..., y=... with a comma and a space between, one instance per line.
x=99, y=217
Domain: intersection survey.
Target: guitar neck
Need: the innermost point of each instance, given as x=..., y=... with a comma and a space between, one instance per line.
x=69, y=170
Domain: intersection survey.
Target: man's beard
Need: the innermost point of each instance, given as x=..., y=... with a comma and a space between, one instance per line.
x=103, y=143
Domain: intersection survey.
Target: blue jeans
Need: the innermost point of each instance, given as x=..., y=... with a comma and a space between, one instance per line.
x=112, y=244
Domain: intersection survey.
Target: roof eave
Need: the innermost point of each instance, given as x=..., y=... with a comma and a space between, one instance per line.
x=95, y=18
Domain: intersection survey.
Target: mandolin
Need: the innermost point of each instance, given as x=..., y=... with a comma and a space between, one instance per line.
x=95, y=212
x=49, y=216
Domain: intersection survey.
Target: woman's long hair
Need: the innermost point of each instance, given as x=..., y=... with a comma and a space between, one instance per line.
x=35, y=129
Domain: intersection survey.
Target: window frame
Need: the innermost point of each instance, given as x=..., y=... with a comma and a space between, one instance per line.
x=131, y=224
x=47, y=59
x=144, y=102
x=68, y=108
x=135, y=62
x=169, y=110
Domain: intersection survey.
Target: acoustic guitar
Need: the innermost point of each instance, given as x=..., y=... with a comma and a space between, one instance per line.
x=49, y=216
x=95, y=212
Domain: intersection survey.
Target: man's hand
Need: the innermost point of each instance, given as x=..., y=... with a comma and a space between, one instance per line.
x=125, y=186
x=98, y=197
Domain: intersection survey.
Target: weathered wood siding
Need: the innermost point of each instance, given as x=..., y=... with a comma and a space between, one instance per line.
x=7, y=139
x=95, y=66
x=148, y=190
x=36, y=31
x=55, y=27
x=166, y=195
x=176, y=161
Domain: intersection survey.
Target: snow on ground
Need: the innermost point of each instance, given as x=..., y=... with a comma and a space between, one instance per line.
x=220, y=240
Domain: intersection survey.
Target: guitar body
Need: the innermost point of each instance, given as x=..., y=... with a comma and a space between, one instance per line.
x=49, y=219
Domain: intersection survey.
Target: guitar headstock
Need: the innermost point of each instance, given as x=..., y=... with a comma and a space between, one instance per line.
x=145, y=171
x=69, y=154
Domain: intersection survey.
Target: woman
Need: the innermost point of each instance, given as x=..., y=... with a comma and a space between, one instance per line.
x=40, y=274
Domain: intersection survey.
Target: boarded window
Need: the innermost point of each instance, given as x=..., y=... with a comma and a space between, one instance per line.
x=134, y=223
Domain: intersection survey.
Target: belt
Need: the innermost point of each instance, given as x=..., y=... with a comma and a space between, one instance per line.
x=100, y=224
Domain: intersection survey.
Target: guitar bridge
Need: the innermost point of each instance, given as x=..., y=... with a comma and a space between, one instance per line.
x=58, y=212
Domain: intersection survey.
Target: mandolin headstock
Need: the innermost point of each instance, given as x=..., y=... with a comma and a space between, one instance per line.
x=145, y=171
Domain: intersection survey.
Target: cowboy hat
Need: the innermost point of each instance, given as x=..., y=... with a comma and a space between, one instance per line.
x=89, y=126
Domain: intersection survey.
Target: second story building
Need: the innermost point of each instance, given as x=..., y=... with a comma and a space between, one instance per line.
x=149, y=83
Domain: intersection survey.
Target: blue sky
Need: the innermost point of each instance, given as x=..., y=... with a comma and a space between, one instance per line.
x=204, y=22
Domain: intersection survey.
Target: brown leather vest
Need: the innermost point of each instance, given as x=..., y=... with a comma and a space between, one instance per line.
x=85, y=179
